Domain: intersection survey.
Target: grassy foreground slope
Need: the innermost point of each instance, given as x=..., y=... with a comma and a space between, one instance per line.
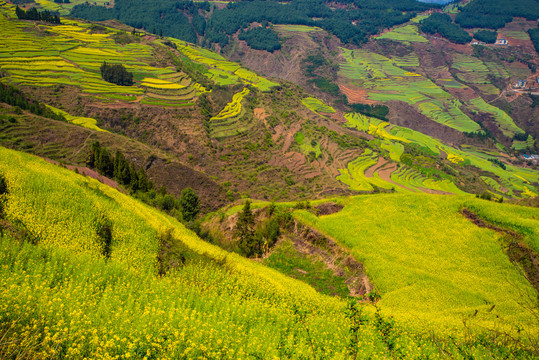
x=429, y=262
x=60, y=298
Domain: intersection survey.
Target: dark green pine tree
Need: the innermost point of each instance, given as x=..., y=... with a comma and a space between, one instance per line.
x=245, y=231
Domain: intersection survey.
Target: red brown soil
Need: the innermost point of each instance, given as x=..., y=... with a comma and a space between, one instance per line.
x=385, y=173
x=328, y=208
x=370, y=171
x=465, y=94
x=355, y=95
x=261, y=115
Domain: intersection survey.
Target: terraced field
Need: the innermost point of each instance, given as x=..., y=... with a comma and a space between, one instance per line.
x=384, y=81
x=516, y=181
x=317, y=106
x=228, y=122
x=73, y=56
x=504, y=121
x=410, y=60
x=221, y=70
x=472, y=70
x=405, y=34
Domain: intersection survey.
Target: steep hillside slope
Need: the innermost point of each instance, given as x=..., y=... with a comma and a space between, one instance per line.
x=68, y=292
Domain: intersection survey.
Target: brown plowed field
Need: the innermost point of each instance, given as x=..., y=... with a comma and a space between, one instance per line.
x=355, y=95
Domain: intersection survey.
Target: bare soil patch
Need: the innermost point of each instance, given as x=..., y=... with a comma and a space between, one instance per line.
x=356, y=95
x=370, y=171
x=328, y=208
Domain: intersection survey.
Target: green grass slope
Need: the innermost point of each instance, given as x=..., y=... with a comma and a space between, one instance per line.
x=60, y=298
x=429, y=263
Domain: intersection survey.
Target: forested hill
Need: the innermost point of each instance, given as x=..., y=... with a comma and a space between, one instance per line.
x=352, y=21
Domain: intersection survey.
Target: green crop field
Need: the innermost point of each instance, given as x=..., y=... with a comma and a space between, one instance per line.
x=410, y=60
x=73, y=56
x=227, y=123
x=86, y=122
x=519, y=35
x=60, y=296
x=296, y=28
x=308, y=147
x=226, y=70
x=406, y=34
x=504, y=121
x=317, y=106
x=516, y=180
x=441, y=268
x=472, y=70
x=385, y=81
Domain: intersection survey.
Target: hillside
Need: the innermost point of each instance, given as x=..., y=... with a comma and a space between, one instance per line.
x=68, y=293
x=231, y=123
x=354, y=179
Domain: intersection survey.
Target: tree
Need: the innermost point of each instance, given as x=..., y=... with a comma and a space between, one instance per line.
x=245, y=231
x=3, y=194
x=190, y=204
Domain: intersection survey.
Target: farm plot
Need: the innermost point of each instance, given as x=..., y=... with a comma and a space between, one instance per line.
x=504, y=121
x=227, y=123
x=384, y=80
x=441, y=267
x=224, y=71
x=317, y=106
x=471, y=69
x=73, y=56
x=86, y=122
x=354, y=174
x=308, y=147
x=296, y=28
x=406, y=34
x=517, y=180
x=410, y=60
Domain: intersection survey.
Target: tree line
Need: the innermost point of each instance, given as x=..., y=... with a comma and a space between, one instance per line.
x=494, y=14
x=534, y=36
x=443, y=25
x=117, y=167
x=14, y=97
x=191, y=21
x=35, y=15
x=261, y=38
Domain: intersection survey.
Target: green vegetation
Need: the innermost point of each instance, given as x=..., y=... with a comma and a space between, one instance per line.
x=14, y=97
x=317, y=106
x=515, y=180
x=486, y=36
x=534, y=36
x=116, y=74
x=407, y=33
x=261, y=39
x=385, y=81
x=443, y=25
x=494, y=14
x=441, y=286
x=35, y=15
x=310, y=148
x=504, y=121
x=227, y=122
x=289, y=261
